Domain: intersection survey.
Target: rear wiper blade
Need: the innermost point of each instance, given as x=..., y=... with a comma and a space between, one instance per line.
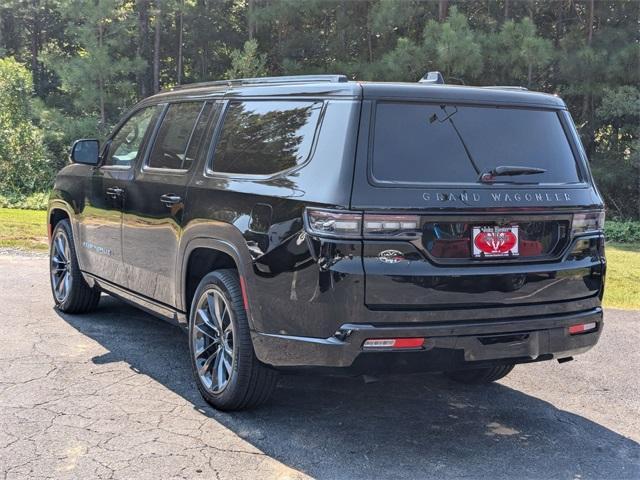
x=507, y=170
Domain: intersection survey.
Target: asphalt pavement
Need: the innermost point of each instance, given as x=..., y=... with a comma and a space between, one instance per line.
x=110, y=395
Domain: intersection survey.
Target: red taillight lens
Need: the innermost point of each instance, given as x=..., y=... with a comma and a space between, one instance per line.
x=582, y=328
x=392, y=343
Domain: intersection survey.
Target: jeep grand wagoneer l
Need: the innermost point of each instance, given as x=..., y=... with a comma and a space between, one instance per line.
x=317, y=223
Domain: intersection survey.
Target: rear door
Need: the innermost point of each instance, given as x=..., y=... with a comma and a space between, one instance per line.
x=152, y=222
x=438, y=236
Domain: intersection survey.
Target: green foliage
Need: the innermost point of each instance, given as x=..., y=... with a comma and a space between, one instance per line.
x=90, y=61
x=453, y=47
x=24, y=163
x=247, y=63
x=35, y=201
x=622, y=232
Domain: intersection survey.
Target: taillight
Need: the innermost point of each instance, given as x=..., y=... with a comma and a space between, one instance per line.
x=344, y=224
x=390, y=225
x=587, y=222
x=333, y=223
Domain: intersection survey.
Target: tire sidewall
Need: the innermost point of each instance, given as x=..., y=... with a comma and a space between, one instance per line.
x=242, y=358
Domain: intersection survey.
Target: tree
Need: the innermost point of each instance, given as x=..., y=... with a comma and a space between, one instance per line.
x=247, y=62
x=98, y=68
x=24, y=162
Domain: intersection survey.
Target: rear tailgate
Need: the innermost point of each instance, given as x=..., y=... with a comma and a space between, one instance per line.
x=501, y=243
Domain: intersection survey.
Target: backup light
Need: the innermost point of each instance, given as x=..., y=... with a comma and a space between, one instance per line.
x=392, y=343
x=582, y=328
x=375, y=225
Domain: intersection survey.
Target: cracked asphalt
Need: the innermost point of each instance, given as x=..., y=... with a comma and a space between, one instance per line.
x=110, y=395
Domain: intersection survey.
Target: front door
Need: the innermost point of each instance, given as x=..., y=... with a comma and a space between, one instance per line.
x=100, y=224
x=152, y=221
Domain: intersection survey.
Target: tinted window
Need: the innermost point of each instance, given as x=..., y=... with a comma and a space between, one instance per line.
x=423, y=143
x=266, y=137
x=126, y=143
x=178, y=126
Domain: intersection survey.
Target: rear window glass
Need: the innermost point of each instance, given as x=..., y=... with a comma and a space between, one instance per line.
x=428, y=143
x=265, y=137
x=175, y=133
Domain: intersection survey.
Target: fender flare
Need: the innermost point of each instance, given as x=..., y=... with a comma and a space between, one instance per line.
x=213, y=241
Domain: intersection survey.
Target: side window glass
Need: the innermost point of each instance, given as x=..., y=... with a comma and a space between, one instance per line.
x=265, y=137
x=126, y=144
x=179, y=135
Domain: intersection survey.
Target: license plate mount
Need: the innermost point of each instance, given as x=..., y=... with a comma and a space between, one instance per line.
x=491, y=241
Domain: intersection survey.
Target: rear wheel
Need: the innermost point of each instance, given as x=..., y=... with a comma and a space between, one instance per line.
x=478, y=376
x=226, y=370
x=71, y=292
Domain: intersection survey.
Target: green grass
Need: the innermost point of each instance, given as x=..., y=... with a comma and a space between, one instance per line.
x=623, y=276
x=23, y=229
x=26, y=230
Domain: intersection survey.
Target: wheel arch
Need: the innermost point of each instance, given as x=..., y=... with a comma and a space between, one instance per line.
x=202, y=255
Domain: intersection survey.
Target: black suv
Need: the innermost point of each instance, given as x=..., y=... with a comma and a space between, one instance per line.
x=317, y=223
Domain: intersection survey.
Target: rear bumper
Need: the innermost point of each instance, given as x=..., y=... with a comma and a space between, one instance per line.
x=448, y=346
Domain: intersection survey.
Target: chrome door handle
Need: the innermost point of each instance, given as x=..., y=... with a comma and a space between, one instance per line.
x=114, y=192
x=169, y=199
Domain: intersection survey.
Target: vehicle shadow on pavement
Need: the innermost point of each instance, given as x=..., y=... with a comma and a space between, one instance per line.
x=406, y=426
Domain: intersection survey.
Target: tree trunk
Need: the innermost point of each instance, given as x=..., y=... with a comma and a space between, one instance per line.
x=156, y=47
x=590, y=29
x=251, y=25
x=180, y=31
x=443, y=6
x=369, y=40
x=101, y=86
x=143, y=46
x=506, y=10
x=35, y=45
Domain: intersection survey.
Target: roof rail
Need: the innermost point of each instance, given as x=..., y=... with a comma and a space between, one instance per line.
x=267, y=80
x=434, y=78
x=506, y=87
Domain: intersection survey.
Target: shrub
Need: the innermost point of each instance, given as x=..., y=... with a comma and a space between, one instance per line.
x=622, y=231
x=36, y=201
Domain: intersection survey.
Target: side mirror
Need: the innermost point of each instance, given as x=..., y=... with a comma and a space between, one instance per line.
x=86, y=151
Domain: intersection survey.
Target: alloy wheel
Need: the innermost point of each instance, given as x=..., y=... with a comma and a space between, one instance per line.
x=212, y=338
x=61, y=276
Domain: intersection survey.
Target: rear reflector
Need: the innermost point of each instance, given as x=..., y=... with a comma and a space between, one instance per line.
x=382, y=343
x=582, y=328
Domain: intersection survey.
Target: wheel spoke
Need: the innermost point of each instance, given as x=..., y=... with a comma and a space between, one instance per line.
x=60, y=248
x=207, y=327
x=67, y=283
x=201, y=351
x=206, y=366
x=227, y=364
x=220, y=370
x=221, y=310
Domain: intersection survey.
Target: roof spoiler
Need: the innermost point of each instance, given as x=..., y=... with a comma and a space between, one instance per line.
x=433, y=78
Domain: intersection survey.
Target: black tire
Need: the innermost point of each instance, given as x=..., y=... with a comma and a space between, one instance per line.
x=250, y=383
x=79, y=297
x=478, y=376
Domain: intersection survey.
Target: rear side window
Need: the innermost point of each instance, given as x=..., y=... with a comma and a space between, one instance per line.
x=417, y=143
x=266, y=137
x=179, y=135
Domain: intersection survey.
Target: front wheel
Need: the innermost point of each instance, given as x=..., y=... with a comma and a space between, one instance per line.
x=71, y=292
x=477, y=376
x=226, y=370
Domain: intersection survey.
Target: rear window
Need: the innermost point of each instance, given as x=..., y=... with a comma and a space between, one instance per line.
x=266, y=137
x=417, y=143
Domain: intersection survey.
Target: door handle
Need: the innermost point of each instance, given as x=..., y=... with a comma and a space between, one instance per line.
x=169, y=199
x=114, y=192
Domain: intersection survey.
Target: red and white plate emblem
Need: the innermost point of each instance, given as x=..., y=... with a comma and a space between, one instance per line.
x=495, y=241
